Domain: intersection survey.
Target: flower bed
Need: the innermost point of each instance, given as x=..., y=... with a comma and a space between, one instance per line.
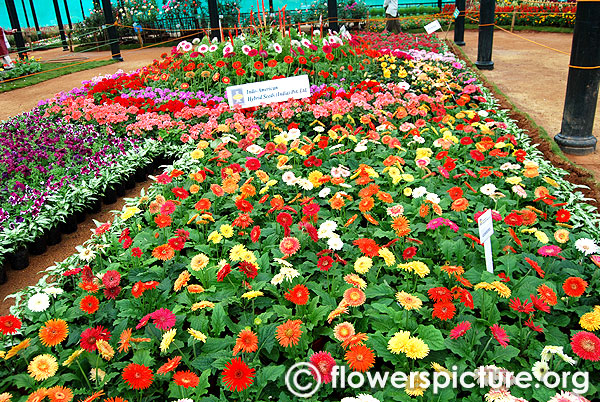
x=340, y=229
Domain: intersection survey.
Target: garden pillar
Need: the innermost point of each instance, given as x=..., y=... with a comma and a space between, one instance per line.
x=459, y=24
x=333, y=15
x=486, y=34
x=213, y=13
x=25, y=13
x=576, y=135
x=61, y=28
x=35, y=20
x=82, y=10
x=68, y=15
x=113, y=37
x=14, y=22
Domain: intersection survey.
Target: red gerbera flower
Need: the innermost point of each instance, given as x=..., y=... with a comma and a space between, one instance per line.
x=500, y=335
x=170, y=365
x=367, y=246
x=529, y=323
x=91, y=335
x=111, y=279
x=298, y=295
x=521, y=307
x=324, y=363
x=137, y=376
x=180, y=193
x=163, y=319
x=249, y=269
x=440, y=294
x=162, y=221
x=535, y=266
x=360, y=358
x=409, y=253
x=112, y=293
x=574, y=286
x=325, y=263
x=237, y=376
x=255, y=234
x=562, y=215
x=223, y=272
x=513, y=219
x=9, y=324
x=539, y=304
x=586, y=345
x=460, y=329
x=466, y=298
x=89, y=304
x=443, y=310
x=186, y=379
x=176, y=243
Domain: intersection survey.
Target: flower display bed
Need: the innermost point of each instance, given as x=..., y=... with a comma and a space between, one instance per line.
x=338, y=229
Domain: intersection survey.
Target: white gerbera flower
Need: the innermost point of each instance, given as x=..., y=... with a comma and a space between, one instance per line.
x=289, y=178
x=39, y=302
x=328, y=226
x=255, y=149
x=586, y=246
x=488, y=189
x=550, y=350
x=540, y=369
x=335, y=243
x=419, y=192
x=87, y=254
x=277, y=279
x=289, y=273
x=305, y=184
x=319, y=129
x=324, y=192
x=53, y=291
x=367, y=398
x=293, y=134
x=432, y=197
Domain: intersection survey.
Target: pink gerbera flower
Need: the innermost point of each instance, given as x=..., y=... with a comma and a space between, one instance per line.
x=500, y=335
x=324, y=363
x=163, y=318
x=586, y=345
x=549, y=251
x=460, y=329
x=111, y=279
x=289, y=245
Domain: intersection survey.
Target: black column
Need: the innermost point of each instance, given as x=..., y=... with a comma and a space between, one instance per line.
x=14, y=22
x=486, y=34
x=35, y=20
x=25, y=13
x=68, y=15
x=576, y=135
x=333, y=15
x=61, y=28
x=82, y=10
x=213, y=13
x=113, y=37
x=440, y=5
x=459, y=23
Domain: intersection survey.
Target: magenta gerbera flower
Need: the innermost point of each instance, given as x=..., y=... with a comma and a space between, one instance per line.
x=586, y=345
x=460, y=329
x=324, y=363
x=164, y=319
x=549, y=251
x=500, y=335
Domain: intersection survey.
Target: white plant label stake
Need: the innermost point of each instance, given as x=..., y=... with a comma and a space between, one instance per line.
x=486, y=230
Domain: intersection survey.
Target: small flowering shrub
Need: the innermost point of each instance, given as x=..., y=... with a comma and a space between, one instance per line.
x=338, y=230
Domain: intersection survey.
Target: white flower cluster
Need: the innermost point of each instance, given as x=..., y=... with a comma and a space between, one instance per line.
x=422, y=192
x=287, y=272
x=327, y=231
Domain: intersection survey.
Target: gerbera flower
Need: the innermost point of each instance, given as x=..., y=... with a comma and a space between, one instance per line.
x=237, y=376
x=9, y=324
x=443, y=310
x=460, y=329
x=367, y=246
x=163, y=318
x=39, y=302
x=42, y=367
x=355, y=280
x=199, y=261
x=547, y=294
x=590, y=321
x=324, y=363
x=521, y=306
x=60, y=394
x=408, y=301
x=38, y=395
x=289, y=245
x=53, y=332
x=535, y=266
x=549, y=251
x=163, y=252
x=343, y=331
x=167, y=339
x=440, y=294
x=246, y=342
x=111, y=279
x=586, y=345
x=325, y=263
x=186, y=379
x=360, y=358
x=354, y=297
x=586, y=246
x=363, y=264
x=415, y=348
x=298, y=295
x=288, y=333
x=574, y=286
x=397, y=344
x=197, y=335
x=91, y=335
x=104, y=349
x=500, y=335
x=252, y=294
x=169, y=366
x=501, y=289
x=181, y=280
x=89, y=304
x=401, y=225
x=137, y=376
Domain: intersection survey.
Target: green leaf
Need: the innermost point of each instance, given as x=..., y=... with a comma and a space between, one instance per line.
x=269, y=373
x=500, y=354
x=380, y=343
x=142, y=356
x=282, y=311
x=218, y=319
x=432, y=337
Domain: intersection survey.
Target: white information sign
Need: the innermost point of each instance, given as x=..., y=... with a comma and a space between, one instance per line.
x=486, y=229
x=256, y=93
x=432, y=26
x=456, y=13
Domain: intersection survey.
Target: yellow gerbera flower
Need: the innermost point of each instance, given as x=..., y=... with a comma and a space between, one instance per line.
x=397, y=344
x=42, y=367
x=252, y=294
x=167, y=338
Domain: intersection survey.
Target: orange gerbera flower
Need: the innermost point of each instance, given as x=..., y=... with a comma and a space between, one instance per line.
x=385, y=197
x=288, y=333
x=164, y=252
x=368, y=191
x=460, y=204
x=360, y=358
x=54, y=332
x=356, y=339
x=366, y=204
x=337, y=202
x=354, y=297
x=170, y=365
x=89, y=287
x=343, y=331
x=38, y=395
x=246, y=342
x=162, y=221
x=423, y=210
x=124, y=340
x=89, y=304
x=547, y=294
x=574, y=286
x=401, y=226
x=60, y=394
x=181, y=280
x=370, y=218
x=195, y=288
x=339, y=310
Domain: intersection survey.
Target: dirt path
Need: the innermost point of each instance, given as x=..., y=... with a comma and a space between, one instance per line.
x=535, y=79
x=24, y=99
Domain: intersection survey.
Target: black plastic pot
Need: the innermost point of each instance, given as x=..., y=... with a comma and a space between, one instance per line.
x=110, y=196
x=140, y=175
x=54, y=236
x=95, y=206
x=130, y=182
x=69, y=225
x=39, y=245
x=3, y=276
x=19, y=259
x=120, y=189
x=80, y=215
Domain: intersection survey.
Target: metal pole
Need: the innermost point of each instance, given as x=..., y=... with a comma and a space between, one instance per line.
x=213, y=13
x=459, y=24
x=61, y=28
x=82, y=10
x=35, y=20
x=68, y=15
x=440, y=5
x=25, y=13
x=576, y=135
x=486, y=34
x=333, y=15
x=113, y=37
x=14, y=22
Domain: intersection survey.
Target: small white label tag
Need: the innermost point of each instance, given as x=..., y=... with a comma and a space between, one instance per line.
x=486, y=229
x=432, y=26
